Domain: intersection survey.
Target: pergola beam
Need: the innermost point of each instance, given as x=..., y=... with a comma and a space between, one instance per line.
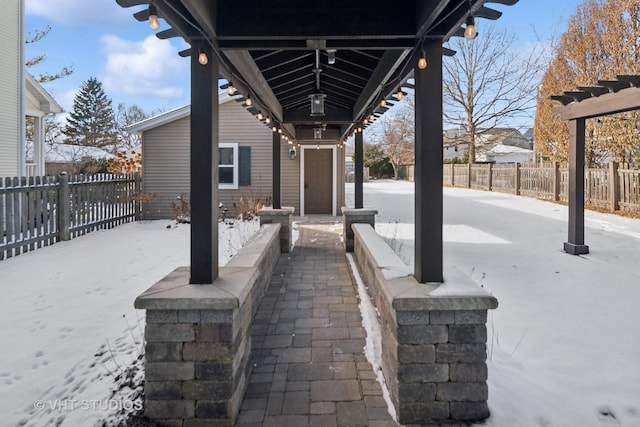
x=610, y=103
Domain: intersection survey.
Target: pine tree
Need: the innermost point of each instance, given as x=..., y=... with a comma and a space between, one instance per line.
x=92, y=121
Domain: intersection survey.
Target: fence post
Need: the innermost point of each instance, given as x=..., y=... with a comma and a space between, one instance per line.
x=136, y=196
x=556, y=181
x=614, y=186
x=490, y=180
x=517, y=180
x=469, y=175
x=453, y=172
x=64, y=207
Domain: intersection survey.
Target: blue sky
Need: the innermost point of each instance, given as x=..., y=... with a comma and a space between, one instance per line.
x=100, y=39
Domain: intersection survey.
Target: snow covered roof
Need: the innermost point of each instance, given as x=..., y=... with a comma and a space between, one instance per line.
x=63, y=153
x=172, y=115
x=501, y=150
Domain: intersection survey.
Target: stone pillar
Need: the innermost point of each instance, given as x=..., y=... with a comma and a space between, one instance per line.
x=280, y=216
x=355, y=216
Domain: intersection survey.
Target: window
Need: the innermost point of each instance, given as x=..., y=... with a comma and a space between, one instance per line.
x=228, y=165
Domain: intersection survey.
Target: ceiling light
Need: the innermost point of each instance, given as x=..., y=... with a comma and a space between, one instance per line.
x=154, y=23
x=317, y=104
x=332, y=56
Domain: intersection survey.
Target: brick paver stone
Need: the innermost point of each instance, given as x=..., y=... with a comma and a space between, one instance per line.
x=308, y=363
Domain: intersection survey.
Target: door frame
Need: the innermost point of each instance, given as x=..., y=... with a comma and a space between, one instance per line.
x=334, y=177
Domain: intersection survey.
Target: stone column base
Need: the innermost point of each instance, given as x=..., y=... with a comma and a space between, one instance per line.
x=355, y=216
x=281, y=216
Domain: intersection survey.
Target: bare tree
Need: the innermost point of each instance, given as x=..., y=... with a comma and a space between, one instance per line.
x=398, y=136
x=486, y=83
x=125, y=116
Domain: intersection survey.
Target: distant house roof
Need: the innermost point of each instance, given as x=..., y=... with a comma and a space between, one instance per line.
x=173, y=115
x=64, y=153
x=39, y=102
x=508, y=149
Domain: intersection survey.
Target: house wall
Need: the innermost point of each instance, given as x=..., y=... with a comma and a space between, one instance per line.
x=166, y=160
x=10, y=86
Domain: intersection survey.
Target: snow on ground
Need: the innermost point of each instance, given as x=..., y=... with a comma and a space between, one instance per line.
x=69, y=326
x=563, y=345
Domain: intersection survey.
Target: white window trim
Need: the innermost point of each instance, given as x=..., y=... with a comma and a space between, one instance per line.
x=236, y=166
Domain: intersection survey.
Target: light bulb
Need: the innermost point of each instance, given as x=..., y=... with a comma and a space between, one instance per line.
x=202, y=57
x=154, y=23
x=422, y=62
x=231, y=89
x=372, y=117
x=259, y=116
x=383, y=102
x=470, y=32
x=267, y=120
x=275, y=129
x=280, y=131
x=399, y=95
x=366, y=121
x=248, y=101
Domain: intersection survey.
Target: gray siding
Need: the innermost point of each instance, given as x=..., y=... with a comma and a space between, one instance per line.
x=290, y=178
x=165, y=160
x=10, y=70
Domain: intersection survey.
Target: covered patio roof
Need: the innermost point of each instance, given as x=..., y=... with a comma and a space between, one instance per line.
x=279, y=53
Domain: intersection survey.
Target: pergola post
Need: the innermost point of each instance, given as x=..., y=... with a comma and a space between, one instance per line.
x=428, y=168
x=204, y=168
x=277, y=199
x=575, y=245
x=359, y=170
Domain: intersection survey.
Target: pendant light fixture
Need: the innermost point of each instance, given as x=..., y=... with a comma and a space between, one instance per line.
x=154, y=23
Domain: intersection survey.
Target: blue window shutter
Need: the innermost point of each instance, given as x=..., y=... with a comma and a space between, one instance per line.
x=244, y=164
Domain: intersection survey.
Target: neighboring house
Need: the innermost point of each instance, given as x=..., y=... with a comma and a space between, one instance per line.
x=312, y=182
x=20, y=95
x=11, y=88
x=497, y=145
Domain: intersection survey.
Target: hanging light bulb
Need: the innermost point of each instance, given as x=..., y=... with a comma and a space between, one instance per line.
x=366, y=121
x=260, y=115
x=248, y=101
x=231, y=89
x=154, y=23
x=399, y=95
x=280, y=131
x=275, y=129
x=202, y=57
x=470, y=32
x=372, y=117
x=383, y=102
x=267, y=120
x=422, y=62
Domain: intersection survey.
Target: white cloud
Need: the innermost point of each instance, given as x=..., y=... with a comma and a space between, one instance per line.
x=149, y=68
x=82, y=13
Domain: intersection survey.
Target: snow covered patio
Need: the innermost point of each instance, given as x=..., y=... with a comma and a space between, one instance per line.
x=563, y=345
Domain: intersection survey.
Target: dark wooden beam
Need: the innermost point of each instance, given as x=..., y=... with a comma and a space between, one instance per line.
x=610, y=103
x=575, y=245
x=295, y=116
x=204, y=169
x=388, y=64
x=376, y=43
x=359, y=171
x=276, y=170
x=205, y=14
x=427, y=13
x=428, y=167
x=247, y=67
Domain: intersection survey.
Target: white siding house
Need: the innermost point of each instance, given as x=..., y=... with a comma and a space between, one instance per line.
x=245, y=167
x=11, y=88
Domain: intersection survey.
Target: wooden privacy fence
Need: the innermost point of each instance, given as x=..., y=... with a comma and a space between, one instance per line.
x=40, y=211
x=616, y=187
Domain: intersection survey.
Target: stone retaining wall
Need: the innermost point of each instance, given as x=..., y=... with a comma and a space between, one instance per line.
x=433, y=336
x=198, y=344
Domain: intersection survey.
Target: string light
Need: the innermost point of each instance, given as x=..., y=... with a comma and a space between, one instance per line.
x=470, y=32
x=248, y=101
x=260, y=115
x=267, y=120
x=399, y=95
x=154, y=23
x=383, y=102
x=275, y=129
x=202, y=57
x=231, y=89
x=422, y=62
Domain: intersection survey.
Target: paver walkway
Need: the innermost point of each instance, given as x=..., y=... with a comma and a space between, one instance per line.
x=308, y=363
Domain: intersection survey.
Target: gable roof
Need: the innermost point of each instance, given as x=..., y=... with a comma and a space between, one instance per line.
x=173, y=115
x=44, y=103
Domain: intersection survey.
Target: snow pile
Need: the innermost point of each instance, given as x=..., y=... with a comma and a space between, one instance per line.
x=72, y=341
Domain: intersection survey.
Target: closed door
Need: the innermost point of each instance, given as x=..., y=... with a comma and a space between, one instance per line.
x=318, y=183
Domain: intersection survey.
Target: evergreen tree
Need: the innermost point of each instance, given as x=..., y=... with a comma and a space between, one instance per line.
x=92, y=121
